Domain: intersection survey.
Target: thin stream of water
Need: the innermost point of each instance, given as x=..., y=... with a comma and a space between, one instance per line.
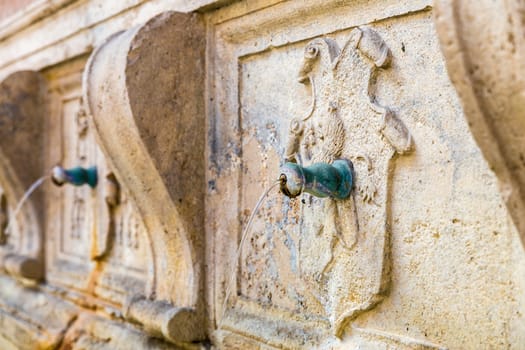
x=25, y=197
x=244, y=236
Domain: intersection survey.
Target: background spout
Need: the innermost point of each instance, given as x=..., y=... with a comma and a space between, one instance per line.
x=77, y=176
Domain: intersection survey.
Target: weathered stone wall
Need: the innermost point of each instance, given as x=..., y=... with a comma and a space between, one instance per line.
x=189, y=109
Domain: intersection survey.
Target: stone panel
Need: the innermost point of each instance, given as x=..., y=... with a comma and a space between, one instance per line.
x=299, y=281
x=146, y=85
x=99, y=239
x=485, y=62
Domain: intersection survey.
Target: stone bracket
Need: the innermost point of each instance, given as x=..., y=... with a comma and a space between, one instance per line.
x=24, y=267
x=144, y=95
x=24, y=109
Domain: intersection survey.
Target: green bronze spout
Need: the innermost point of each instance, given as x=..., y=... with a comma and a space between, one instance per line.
x=319, y=179
x=76, y=176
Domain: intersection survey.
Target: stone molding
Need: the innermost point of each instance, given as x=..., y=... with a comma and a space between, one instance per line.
x=34, y=12
x=161, y=319
x=24, y=316
x=27, y=42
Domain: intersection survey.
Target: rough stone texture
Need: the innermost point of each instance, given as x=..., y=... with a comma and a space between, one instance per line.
x=188, y=118
x=485, y=50
x=105, y=248
x=99, y=246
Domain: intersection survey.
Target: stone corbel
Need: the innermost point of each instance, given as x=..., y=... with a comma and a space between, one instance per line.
x=23, y=112
x=484, y=49
x=144, y=94
x=161, y=319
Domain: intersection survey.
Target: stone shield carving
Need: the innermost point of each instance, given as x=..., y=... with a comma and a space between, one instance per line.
x=344, y=245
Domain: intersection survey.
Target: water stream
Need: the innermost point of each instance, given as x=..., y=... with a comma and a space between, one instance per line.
x=244, y=236
x=24, y=198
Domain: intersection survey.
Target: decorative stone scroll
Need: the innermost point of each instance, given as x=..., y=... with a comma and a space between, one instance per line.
x=143, y=90
x=24, y=107
x=485, y=57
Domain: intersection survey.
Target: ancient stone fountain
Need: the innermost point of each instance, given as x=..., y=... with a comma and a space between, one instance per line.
x=169, y=119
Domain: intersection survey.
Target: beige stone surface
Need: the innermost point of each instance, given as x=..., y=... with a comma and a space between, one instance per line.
x=189, y=116
x=485, y=62
x=92, y=332
x=453, y=252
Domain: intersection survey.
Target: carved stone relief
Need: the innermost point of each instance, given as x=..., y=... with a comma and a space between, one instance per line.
x=340, y=248
x=319, y=266
x=80, y=203
x=23, y=108
x=132, y=245
x=345, y=242
x=126, y=252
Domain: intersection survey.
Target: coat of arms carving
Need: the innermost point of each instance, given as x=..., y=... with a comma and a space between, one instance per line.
x=343, y=248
